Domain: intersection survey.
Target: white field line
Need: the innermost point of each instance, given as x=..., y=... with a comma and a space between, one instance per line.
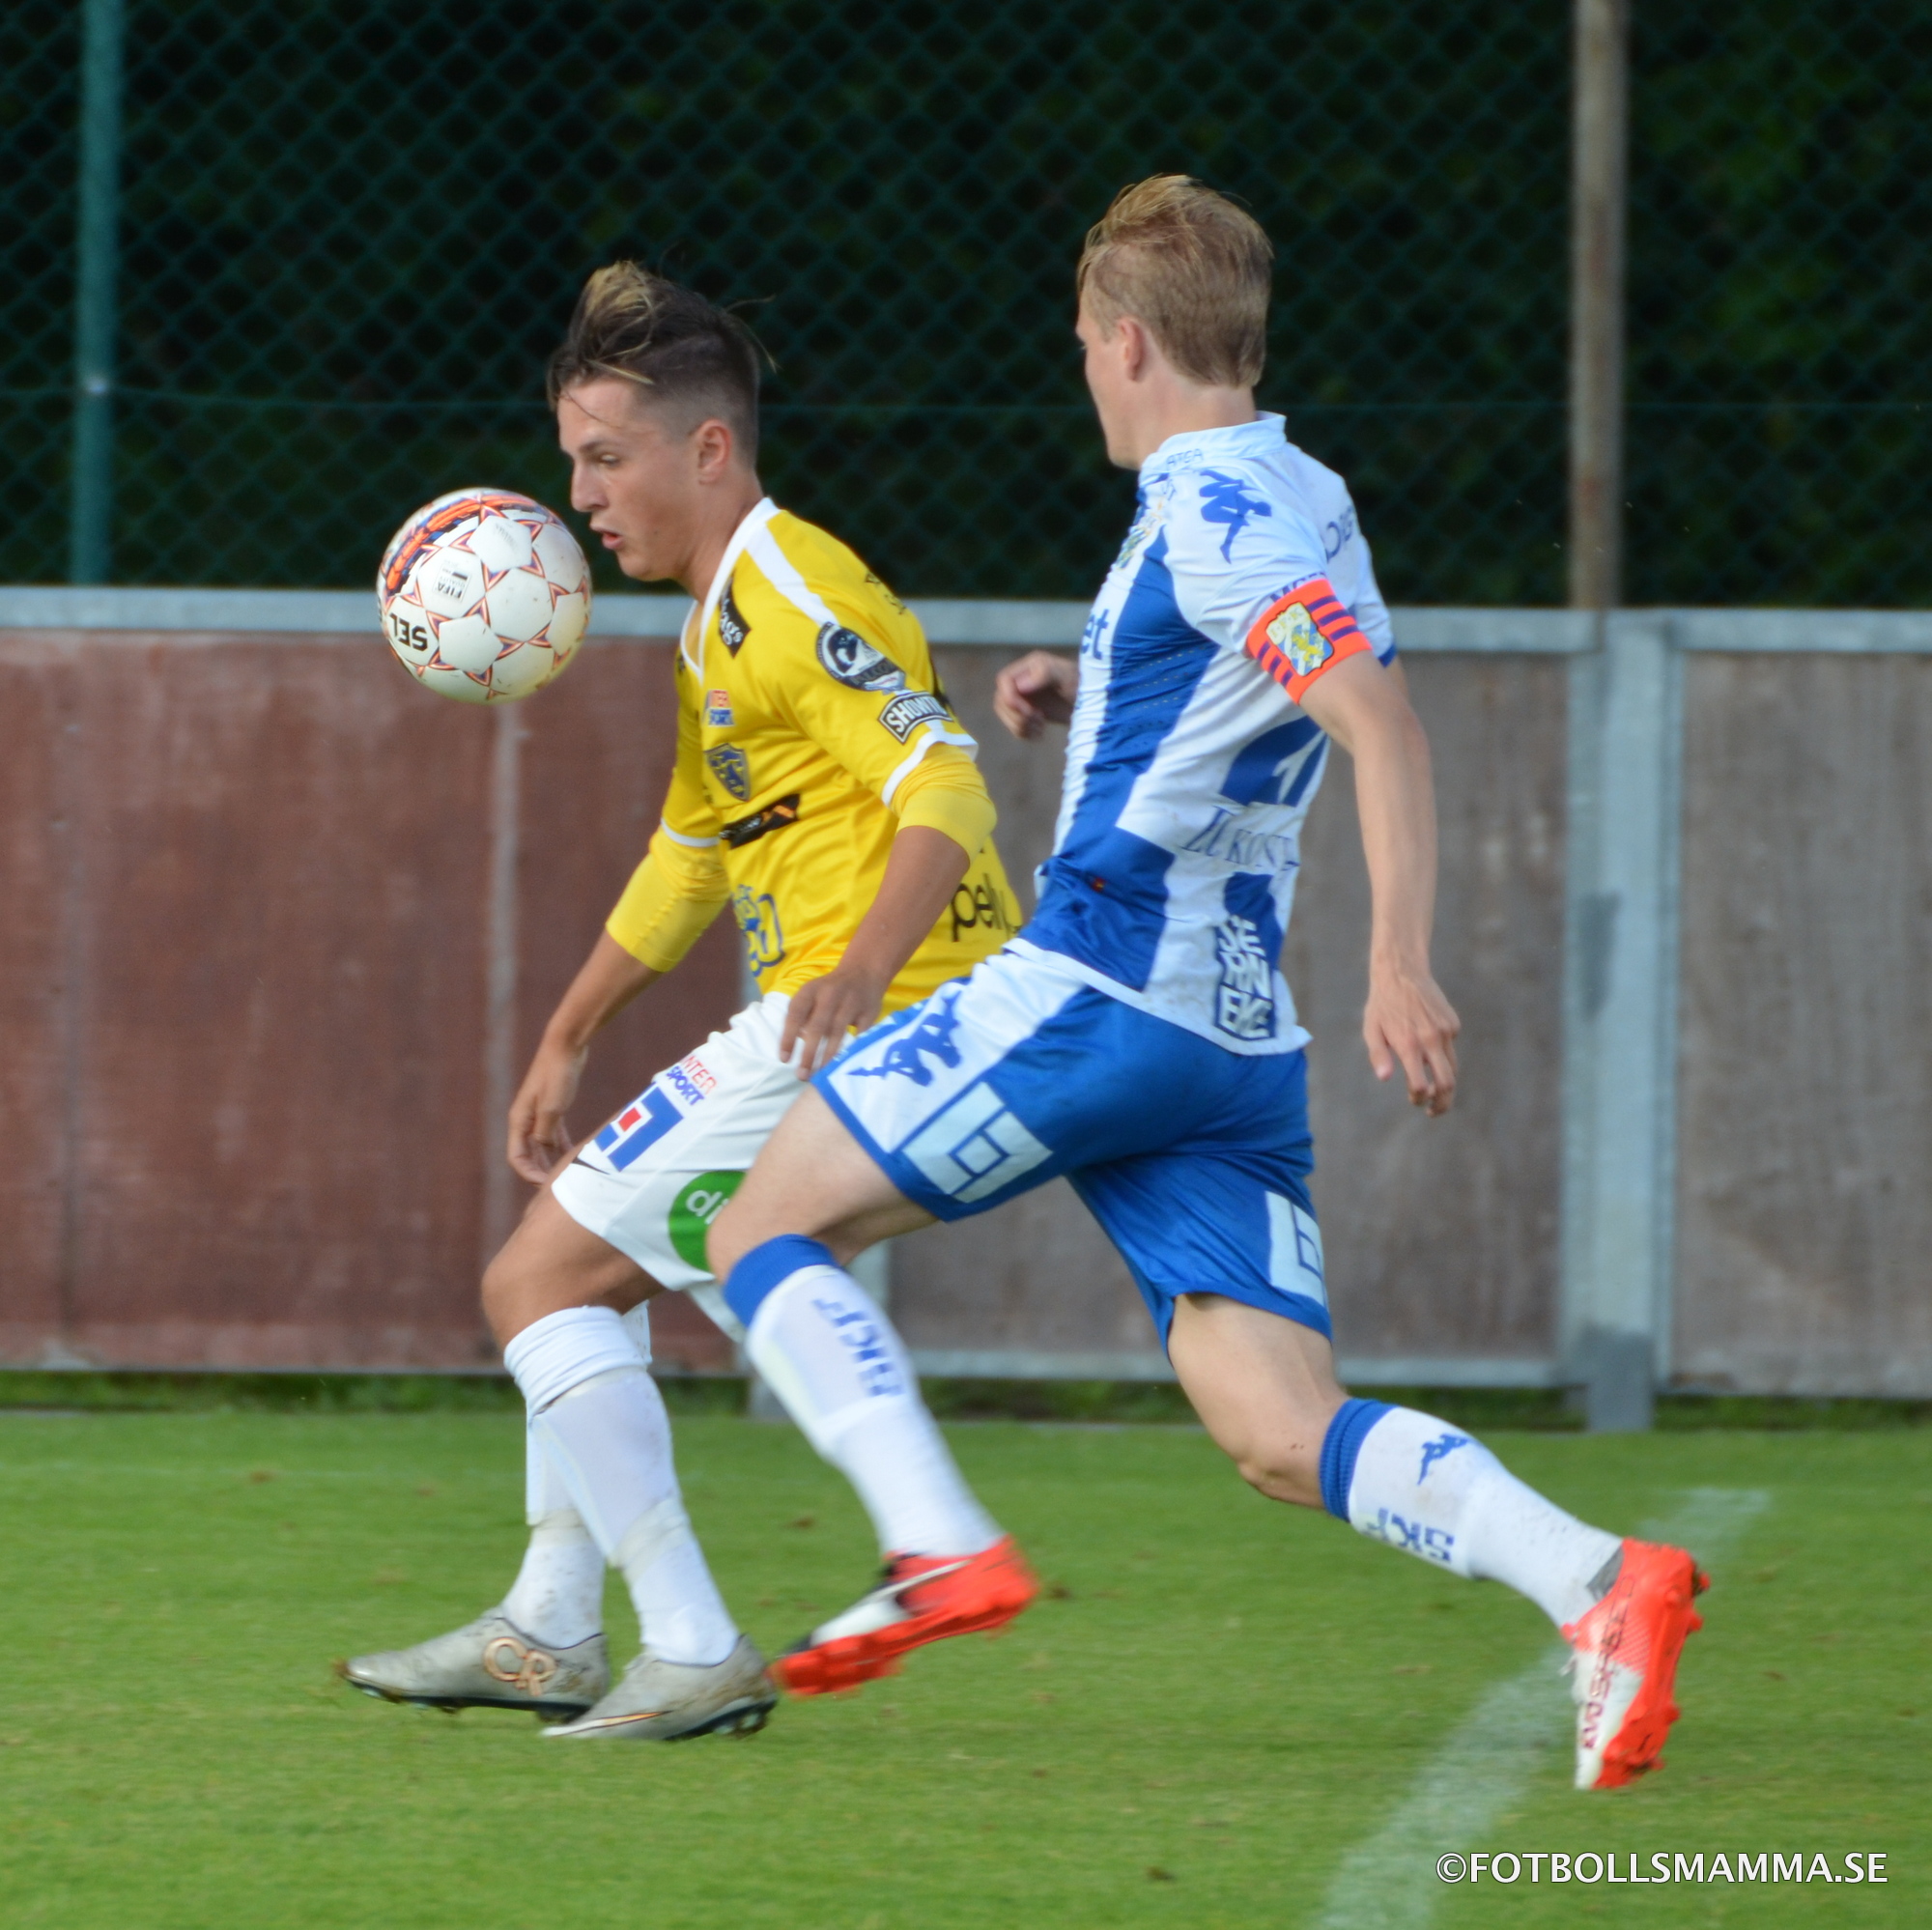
x=1523, y=1729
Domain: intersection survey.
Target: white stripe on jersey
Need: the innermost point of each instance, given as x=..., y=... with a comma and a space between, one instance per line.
x=1189, y=770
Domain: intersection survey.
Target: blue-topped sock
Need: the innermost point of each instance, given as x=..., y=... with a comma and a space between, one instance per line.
x=1438, y=1494
x=831, y=1355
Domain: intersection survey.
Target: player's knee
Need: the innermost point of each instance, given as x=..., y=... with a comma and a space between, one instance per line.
x=724, y=1244
x=1284, y=1470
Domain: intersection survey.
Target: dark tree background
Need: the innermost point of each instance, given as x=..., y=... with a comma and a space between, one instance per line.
x=351, y=233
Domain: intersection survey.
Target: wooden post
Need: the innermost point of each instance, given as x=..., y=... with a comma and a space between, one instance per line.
x=1599, y=192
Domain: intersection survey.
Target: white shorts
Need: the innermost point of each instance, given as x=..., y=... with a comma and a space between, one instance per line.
x=652, y=1180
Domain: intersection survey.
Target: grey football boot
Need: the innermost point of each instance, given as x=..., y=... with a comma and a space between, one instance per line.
x=488, y=1665
x=661, y=1702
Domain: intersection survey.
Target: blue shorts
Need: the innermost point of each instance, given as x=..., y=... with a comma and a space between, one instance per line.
x=1194, y=1160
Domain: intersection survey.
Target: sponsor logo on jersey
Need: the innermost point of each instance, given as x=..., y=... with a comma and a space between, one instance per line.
x=1431, y=1544
x=1294, y=633
x=906, y=711
x=678, y=1078
x=731, y=624
x=979, y=906
x=732, y=769
x=931, y=1032
x=1245, y=999
x=1094, y=634
x=1434, y=1451
x=884, y=589
x=846, y=655
x=718, y=709
x=1228, y=499
x=757, y=915
x=637, y=1127
x=860, y=1335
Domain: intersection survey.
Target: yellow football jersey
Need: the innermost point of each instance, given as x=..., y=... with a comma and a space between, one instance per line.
x=809, y=719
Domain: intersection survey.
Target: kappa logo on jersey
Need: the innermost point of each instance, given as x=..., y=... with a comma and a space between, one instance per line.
x=718, y=709
x=855, y=662
x=731, y=624
x=906, y=711
x=1434, y=1451
x=1294, y=633
x=1245, y=999
x=1229, y=500
x=732, y=769
x=931, y=1033
x=757, y=915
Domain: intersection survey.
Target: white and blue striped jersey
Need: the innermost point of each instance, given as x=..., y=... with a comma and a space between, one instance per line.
x=1190, y=764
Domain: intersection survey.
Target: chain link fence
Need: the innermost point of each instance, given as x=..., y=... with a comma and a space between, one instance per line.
x=348, y=234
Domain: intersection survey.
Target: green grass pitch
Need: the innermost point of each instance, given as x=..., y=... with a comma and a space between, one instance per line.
x=1216, y=1705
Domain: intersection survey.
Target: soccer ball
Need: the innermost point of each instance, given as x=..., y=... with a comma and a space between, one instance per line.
x=484, y=594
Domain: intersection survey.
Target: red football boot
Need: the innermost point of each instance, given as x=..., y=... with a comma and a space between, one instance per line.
x=1625, y=1664
x=920, y=1599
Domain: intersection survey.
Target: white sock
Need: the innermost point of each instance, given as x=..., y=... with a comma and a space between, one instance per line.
x=600, y=1421
x=559, y=1594
x=1423, y=1485
x=828, y=1353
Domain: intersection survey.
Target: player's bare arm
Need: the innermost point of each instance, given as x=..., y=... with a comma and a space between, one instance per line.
x=609, y=979
x=922, y=874
x=1407, y=1020
x=1035, y=690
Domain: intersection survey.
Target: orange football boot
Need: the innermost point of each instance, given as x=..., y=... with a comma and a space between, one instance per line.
x=920, y=1599
x=1625, y=1665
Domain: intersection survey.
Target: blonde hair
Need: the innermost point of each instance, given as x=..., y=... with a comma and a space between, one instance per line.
x=1191, y=265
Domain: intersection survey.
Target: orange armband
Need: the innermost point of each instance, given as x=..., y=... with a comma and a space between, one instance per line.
x=1304, y=633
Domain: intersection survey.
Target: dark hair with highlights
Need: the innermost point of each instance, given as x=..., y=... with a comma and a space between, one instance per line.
x=682, y=352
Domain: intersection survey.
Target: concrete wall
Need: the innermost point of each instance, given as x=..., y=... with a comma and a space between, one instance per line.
x=255, y=891
x=1805, y=1222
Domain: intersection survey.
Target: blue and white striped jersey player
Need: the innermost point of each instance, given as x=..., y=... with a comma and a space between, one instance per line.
x=1137, y=1035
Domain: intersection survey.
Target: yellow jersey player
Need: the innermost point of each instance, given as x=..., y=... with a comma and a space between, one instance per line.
x=823, y=789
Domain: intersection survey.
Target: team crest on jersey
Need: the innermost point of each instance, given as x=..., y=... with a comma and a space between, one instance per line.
x=1245, y=999
x=732, y=769
x=731, y=624
x=1148, y=519
x=757, y=915
x=718, y=709
x=1294, y=633
x=846, y=655
x=907, y=711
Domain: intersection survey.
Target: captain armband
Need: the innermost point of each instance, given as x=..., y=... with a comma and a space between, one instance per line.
x=669, y=902
x=1304, y=633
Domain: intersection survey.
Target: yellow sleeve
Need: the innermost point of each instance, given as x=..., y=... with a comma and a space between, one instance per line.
x=670, y=900
x=877, y=715
x=681, y=885
x=945, y=791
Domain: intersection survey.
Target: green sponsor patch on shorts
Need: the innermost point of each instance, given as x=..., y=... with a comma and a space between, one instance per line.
x=693, y=1209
